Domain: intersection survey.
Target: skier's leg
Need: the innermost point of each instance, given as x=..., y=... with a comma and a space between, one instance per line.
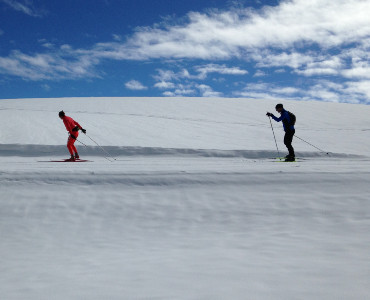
x=70, y=145
x=288, y=138
x=73, y=145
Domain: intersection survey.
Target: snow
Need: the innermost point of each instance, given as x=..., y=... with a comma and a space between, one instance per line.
x=191, y=207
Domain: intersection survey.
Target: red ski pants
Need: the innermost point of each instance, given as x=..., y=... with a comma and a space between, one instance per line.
x=71, y=143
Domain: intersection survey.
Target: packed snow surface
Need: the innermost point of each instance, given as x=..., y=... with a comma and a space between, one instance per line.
x=184, y=201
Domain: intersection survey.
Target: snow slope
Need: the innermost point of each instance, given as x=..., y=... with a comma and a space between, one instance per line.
x=192, y=207
x=190, y=123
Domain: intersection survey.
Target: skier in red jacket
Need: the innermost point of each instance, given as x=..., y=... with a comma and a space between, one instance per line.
x=72, y=127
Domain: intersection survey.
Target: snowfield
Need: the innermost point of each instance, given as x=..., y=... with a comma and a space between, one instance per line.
x=190, y=205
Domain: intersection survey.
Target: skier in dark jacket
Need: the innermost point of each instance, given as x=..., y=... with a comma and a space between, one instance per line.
x=288, y=128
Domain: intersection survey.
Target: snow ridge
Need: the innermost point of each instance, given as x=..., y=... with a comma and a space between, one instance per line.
x=121, y=151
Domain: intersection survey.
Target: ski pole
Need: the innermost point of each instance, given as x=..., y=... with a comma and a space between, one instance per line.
x=101, y=148
x=87, y=147
x=273, y=132
x=81, y=143
x=311, y=145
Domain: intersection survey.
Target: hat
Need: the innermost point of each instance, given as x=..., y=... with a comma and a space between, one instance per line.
x=279, y=106
x=61, y=114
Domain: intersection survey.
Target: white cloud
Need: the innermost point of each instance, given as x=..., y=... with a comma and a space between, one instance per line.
x=163, y=85
x=51, y=66
x=48, y=45
x=357, y=72
x=286, y=90
x=166, y=75
x=202, y=70
x=46, y=87
x=25, y=7
x=360, y=67
x=181, y=90
x=169, y=94
x=357, y=92
x=321, y=90
x=329, y=66
x=169, y=75
x=117, y=37
x=235, y=33
x=188, y=89
x=220, y=69
x=135, y=85
x=259, y=73
x=192, y=90
x=207, y=91
x=267, y=59
x=184, y=92
x=269, y=91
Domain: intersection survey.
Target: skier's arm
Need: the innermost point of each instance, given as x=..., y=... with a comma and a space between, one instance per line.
x=276, y=119
x=272, y=116
x=80, y=127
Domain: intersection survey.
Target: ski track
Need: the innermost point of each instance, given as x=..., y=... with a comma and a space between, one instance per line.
x=153, y=226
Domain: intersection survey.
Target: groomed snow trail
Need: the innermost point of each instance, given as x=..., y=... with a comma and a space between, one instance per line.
x=185, y=228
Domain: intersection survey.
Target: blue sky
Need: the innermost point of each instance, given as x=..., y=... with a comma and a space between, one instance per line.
x=296, y=49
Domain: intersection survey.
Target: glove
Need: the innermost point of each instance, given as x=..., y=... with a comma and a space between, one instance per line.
x=72, y=136
x=83, y=130
x=269, y=114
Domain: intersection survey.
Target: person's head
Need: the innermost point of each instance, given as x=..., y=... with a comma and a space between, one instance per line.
x=61, y=114
x=279, y=107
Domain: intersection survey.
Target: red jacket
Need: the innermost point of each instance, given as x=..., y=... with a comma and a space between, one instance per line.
x=70, y=124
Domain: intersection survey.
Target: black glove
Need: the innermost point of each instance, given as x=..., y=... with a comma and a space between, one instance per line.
x=72, y=136
x=83, y=130
x=269, y=114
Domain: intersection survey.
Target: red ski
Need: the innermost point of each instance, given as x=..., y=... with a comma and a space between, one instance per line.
x=67, y=160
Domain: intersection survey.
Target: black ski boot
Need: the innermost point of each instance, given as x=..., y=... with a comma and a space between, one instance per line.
x=71, y=159
x=289, y=158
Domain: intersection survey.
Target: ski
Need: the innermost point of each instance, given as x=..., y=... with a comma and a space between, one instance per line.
x=297, y=159
x=282, y=159
x=67, y=160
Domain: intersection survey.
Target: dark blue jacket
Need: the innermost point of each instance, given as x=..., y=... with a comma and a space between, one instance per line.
x=286, y=120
